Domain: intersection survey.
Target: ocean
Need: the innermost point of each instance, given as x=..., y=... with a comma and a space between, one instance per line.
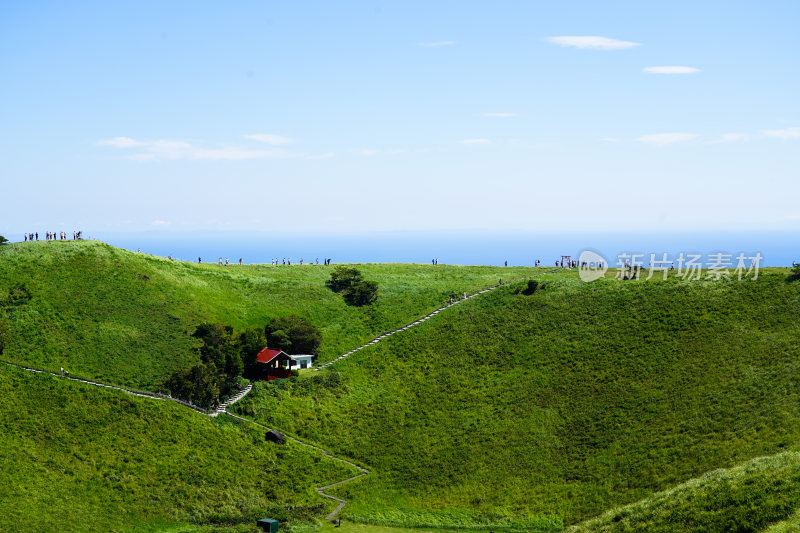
x=462, y=248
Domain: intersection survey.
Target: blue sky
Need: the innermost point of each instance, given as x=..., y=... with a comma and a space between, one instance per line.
x=358, y=116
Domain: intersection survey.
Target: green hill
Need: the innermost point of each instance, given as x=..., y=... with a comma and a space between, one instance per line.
x=126, y=318
x=79, y=458
x=748, y=497
x=509, y=411
x=562, y=404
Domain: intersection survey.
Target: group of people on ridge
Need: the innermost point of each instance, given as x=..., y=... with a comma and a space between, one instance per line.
x=51, y=236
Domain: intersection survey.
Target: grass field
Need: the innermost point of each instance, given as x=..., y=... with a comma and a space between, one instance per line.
x=755, y=496
x=126, y=318
x=79, y=458
x=613, y=400
x=525, y=411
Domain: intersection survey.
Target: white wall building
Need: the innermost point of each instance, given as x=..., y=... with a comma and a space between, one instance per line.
x=301, y=361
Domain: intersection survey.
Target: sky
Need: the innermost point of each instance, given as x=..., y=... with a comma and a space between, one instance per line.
x=342, y=117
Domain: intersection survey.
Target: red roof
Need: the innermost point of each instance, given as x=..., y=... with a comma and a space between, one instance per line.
x=268, y=354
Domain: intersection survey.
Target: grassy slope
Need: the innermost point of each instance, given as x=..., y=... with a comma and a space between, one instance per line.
x=125, y=318
x=577, y=399
x=748, y=497
x=78, y=458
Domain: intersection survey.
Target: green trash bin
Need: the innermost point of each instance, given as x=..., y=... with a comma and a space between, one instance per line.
x=268, y=524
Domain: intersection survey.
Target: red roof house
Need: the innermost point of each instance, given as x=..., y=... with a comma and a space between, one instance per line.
x=274, y=363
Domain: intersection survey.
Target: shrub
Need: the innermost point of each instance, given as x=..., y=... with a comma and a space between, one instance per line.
x=293, y=333
x=533, y=285
x=343, y=277
x=197, y=384
x=249, y=343
x=361, y=293
x=794, y=274
x=3, y=240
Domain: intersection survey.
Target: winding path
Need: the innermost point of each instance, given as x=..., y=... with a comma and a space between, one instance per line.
x=223, y=408
x=320, y=490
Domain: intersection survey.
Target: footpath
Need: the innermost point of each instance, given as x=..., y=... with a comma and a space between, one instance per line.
x=223, y=408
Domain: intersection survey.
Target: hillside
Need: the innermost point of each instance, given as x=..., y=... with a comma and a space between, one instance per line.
x=559, y=405
x=754, y=496
x=81, y=458
x=126, y=318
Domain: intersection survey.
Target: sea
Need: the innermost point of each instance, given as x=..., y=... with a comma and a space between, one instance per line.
x=517, y=248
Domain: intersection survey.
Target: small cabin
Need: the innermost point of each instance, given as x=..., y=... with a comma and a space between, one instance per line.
x=301, y=361
x=274, y=364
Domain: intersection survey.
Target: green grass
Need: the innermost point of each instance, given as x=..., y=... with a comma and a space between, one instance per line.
x=748, y=497
x=507, y=412
x=126, y=318
x=80, y=458
x=511, y=409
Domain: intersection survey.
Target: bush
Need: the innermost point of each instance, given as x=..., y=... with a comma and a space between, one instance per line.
x=354, y=288
x=361, y=293
x=343, y=277
x=533, y=285
x=249, y=343
x=794, y=274
x=197, y=384
x=293, y=333
x=3, y=240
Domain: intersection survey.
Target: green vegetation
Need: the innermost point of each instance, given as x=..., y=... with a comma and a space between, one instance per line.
x=354, y=288
x=127, y=318
x=794, y=274
x=749, y=497
x=91, y=459
x=516, y=409
x=3, y=240
x=293, y=335
x=543, y=403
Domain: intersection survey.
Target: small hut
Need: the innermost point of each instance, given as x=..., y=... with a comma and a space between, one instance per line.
x=274, y=364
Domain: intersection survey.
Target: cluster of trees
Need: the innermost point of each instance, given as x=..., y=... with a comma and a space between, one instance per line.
x=293, y=335
x=354, y=288
x=3, y=240
x=226, y=357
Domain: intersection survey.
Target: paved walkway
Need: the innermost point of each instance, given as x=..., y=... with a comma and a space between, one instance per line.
x=412, y=324
x=326, y=453
x=223, y=408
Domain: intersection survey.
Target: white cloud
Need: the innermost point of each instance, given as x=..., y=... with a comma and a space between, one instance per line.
x=592, y=42
x=164, y=149
x=366, y=152
x=438, y=43
x=326, y=155
x=159, y=223
x=730, y=138
x=476, y=141
x=663, y=139
x=269, y=138
x=120, y=142
x=610, y=139
x=671, y=70
x=501, y=115
x=785, y=134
